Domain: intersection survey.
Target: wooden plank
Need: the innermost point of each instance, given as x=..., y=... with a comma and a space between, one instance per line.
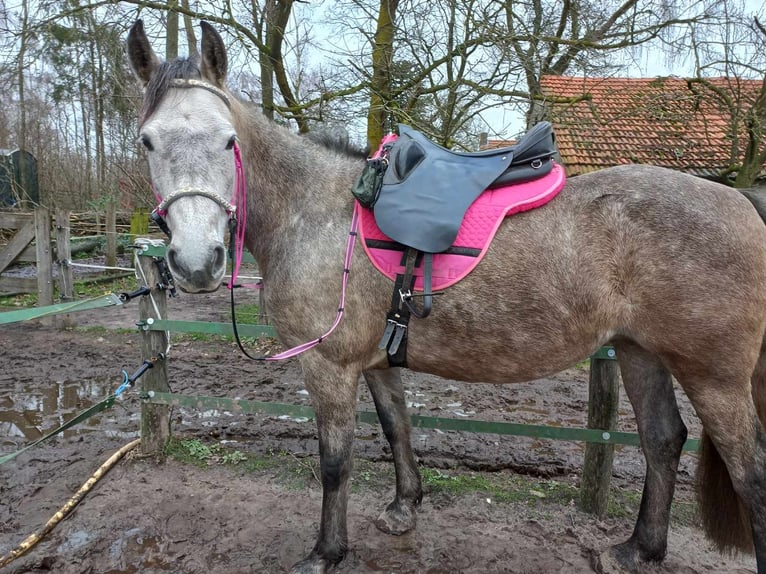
x=14, y=220
x=16, y=285
x=44, y=257
x=29, y=255
x=17, y=244
x=603, y=399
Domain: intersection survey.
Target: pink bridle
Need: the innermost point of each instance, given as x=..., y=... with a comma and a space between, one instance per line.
x=237, y=212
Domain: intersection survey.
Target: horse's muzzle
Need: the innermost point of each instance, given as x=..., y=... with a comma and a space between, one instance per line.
x=198, y=271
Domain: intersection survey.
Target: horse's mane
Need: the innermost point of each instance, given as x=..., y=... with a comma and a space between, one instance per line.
x=180, y=68
x=336, y=139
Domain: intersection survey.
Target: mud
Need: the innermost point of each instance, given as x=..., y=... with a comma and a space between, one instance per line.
x=175, y=517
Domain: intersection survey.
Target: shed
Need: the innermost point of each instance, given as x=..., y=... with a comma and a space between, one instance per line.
x=18, y=177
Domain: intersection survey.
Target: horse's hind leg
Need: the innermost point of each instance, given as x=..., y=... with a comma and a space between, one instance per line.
x=732, y=468
x=650, y=390
x=388, y=394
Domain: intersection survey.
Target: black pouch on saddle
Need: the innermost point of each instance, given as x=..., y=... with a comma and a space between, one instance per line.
x=367, y=188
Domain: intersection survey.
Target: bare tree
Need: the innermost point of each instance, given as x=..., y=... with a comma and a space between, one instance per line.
x=730, y=66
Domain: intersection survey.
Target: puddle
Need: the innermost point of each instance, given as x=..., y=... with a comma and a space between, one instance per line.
x=28, y=413
x=151, y=549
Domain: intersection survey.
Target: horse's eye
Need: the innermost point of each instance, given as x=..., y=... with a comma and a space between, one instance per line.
x=144, y=140
x=232, y=141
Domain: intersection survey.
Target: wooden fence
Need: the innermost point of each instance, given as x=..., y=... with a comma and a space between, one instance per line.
x=27, y=237
x=30, y=242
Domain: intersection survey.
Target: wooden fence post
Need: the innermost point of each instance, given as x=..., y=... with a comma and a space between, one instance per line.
x=111, y=233
x=603, y=400
x=44, y=257
x=63, y=257
x=155, y=419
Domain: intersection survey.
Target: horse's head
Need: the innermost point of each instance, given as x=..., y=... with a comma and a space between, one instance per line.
x=187, y=129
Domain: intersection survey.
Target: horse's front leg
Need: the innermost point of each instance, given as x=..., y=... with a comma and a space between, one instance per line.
x=388, y=394
x=332, y=389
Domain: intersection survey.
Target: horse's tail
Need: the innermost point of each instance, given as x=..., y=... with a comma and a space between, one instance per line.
x=724, y=515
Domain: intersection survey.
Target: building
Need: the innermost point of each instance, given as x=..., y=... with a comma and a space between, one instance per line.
x=692, y=126
x=18, y=178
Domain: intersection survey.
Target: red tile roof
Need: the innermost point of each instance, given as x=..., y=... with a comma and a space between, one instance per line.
x=497, y=144
x=672, y=122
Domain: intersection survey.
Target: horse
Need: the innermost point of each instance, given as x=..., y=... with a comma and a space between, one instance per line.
x=668, y=268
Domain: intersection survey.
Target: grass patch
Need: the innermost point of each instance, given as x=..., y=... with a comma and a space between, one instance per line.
x=500, y=487
x=83, y=289
x=96, y=287
x=290, y=470
x=247, y=313
x=194, y=451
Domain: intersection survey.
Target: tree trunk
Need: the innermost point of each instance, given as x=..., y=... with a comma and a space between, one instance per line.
x=380, y=86
x=171, y=43
x=755, y=153
x=22, y=139
x=191, y=38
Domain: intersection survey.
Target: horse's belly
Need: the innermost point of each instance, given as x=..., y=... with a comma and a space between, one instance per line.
x=493, y=353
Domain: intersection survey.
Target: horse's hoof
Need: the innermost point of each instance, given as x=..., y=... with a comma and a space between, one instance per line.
x=620, y=559
x=311, y=565
x=396, y=519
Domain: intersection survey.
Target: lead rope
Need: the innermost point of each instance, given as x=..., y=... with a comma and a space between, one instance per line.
x=350, y=242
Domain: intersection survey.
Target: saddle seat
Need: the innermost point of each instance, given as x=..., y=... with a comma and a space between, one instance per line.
x=427, y=189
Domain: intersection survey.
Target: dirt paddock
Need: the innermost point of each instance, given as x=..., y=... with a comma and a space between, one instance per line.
x=222, y=518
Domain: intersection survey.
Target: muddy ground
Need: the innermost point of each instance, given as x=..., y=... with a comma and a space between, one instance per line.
x=177, y=517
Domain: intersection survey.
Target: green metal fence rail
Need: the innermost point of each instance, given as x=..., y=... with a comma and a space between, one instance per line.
x=418, y=421
x=58, y=309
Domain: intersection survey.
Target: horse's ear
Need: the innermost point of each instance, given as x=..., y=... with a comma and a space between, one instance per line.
x=142, y=58
x=214, y=61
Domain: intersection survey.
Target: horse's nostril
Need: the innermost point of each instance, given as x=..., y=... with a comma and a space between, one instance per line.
x=172, y=258
x=219, y=257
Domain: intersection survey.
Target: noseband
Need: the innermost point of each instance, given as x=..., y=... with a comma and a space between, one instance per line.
x=162, y=208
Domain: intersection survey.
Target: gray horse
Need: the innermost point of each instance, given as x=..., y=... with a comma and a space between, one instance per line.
x=669, y=268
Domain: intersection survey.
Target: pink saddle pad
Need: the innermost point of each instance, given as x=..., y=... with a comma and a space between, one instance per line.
x=479, y=226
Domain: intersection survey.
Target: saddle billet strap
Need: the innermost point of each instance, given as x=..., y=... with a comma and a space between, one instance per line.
x=413, y=258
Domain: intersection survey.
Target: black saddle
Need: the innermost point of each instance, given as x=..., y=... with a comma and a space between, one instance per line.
x=427, y=189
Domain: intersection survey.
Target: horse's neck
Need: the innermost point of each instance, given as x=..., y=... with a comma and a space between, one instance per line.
x=294, y=190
